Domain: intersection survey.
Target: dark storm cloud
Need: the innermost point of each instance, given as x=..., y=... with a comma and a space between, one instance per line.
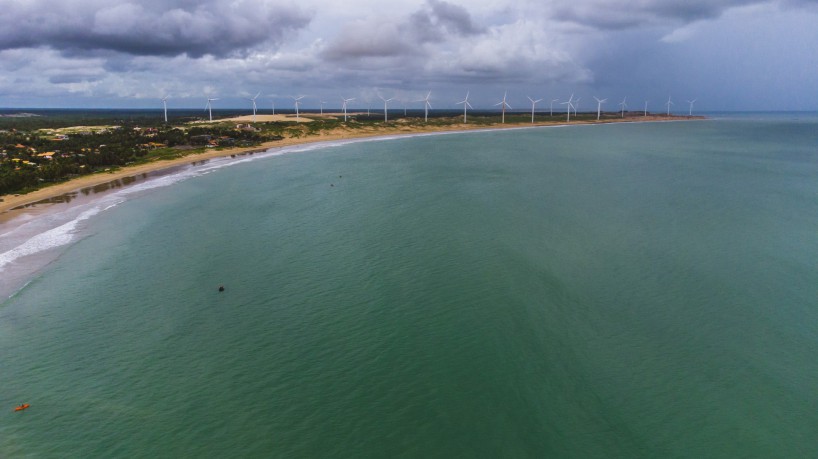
x=432, y=23
x=149, y=27
x=615, y=14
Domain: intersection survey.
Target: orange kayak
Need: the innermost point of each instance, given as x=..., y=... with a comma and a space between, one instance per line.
x=21, y=407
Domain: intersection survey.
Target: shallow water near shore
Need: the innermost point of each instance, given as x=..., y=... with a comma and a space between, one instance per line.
x=643, y=290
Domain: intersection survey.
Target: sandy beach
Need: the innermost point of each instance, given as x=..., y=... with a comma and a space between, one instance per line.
x=12, y=206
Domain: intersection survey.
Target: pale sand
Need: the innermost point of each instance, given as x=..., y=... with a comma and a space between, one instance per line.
x=10, y=202
x=261, y=119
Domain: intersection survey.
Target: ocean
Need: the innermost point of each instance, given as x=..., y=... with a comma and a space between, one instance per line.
x=627, y=290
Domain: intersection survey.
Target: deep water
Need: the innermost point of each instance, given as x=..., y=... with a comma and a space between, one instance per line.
x=641, y=290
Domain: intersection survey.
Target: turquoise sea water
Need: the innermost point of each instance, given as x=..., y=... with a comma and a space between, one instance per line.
x=643, y=290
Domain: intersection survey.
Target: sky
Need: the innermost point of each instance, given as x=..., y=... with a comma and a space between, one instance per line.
x=726, y=54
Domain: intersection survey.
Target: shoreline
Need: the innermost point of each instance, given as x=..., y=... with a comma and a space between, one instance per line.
x=14, y=206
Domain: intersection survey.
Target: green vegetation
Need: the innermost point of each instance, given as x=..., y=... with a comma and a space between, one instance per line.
x=32, y=157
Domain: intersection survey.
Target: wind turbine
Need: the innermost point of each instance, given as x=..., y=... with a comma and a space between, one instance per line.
x=599, y=106
x=668, y=103
x=253, y=100
x=646, y=108
x=624, y=105
x=385, y=101
x=297, y=101
x=322, y=107
x=533, y=103
x=466, y=105
x=552, y=106
x=569, y=107
x=504, y=105
x=209, y=107
x=345, y=107
x=426, y=107
x=576, y=104
x=165, y=104
x=273, y=104
x=690, y=113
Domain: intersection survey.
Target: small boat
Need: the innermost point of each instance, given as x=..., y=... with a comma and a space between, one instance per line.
x=21, y=407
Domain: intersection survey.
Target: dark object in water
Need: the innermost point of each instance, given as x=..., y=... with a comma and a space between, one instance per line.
x=221, y=288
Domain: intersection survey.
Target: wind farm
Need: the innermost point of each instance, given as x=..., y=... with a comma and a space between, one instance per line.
x=181, y=132
x=358, y=113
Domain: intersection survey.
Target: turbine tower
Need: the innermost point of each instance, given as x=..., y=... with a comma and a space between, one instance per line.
x=344, y=106
x=551, y=108
x=599, y=106
x=165, y=104
x=385, y=102
x=624, y=105
x=297, y=101
x=533, y=103
x=668, y=103
x=569, y=106
x=504, y=105
x=209, y=107
x=689, y=113
x=322, y=107
x=253, y=100
x=466, y=105
x=646, y=109
x=576, y=105
x=426, y=107
x=273, y=104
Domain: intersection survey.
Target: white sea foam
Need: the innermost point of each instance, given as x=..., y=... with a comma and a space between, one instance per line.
x=52, y=238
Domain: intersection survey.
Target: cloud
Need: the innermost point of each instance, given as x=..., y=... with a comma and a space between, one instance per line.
x=148, y=28
x=121, y=51
x=455, y=19
x=365, y=39
x=615, y=14
x=435, y=22
x=523, y=51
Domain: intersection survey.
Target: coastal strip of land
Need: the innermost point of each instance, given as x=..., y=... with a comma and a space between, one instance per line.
x=14, y=205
